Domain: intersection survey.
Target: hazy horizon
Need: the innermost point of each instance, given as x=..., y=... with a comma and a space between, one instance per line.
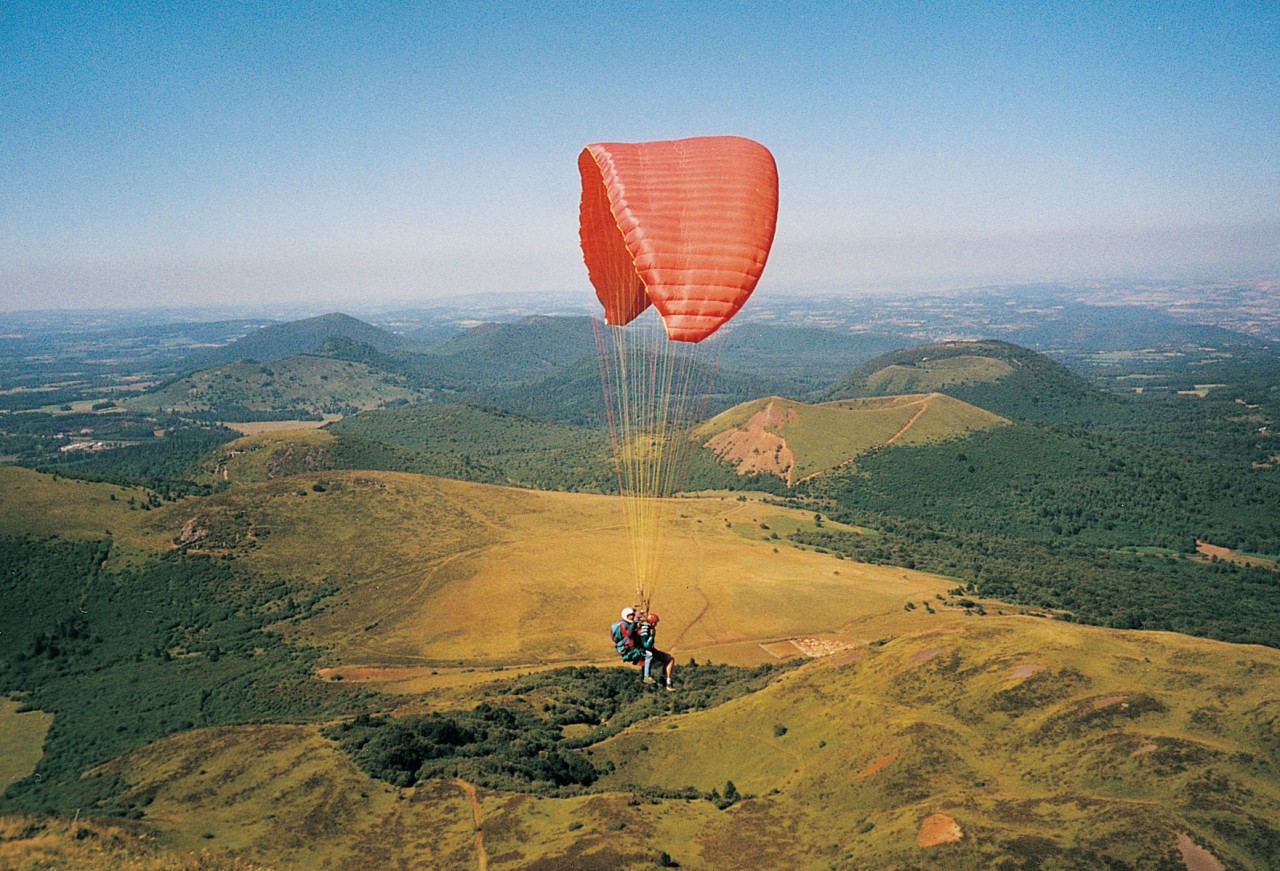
x=158, y=156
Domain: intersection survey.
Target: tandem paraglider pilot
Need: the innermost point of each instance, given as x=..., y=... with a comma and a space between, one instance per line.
x=634, y=637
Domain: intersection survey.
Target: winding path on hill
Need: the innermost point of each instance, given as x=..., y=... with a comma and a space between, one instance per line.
x=481, y=856
x=706, y=606
x=924, y=406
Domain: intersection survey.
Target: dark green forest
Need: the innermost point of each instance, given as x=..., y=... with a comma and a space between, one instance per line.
x=1047, y=484
x=126, y=448
x=125, y=657
x=1122, y=590
x=515, y=740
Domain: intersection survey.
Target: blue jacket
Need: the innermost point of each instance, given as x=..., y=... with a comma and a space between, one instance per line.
x=624, y=641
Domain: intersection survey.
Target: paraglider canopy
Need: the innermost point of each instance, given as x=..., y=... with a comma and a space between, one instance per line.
x=684, y=225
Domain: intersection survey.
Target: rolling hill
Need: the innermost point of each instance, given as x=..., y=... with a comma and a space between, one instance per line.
x=281, y=341
x=796, y=441
x=982, y=743
x=572, y=394
x=916, y=734
x=445, y=547
x=1005, y=379
x=519, y=351
x=296, y=386
x=454, y=440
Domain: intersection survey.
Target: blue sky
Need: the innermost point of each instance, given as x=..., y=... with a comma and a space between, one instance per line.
x=239, y=151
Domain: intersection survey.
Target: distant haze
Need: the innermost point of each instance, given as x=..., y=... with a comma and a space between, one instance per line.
x=156, y=154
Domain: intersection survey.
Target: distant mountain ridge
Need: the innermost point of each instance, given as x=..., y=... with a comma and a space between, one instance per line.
x=281, y=341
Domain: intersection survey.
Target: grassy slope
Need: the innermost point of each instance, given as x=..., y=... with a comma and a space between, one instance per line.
x=942, y=417
x=1038, y=768
x=997, y=376
x=45, y=842
x=824, y=436
x=459, y=441
x=228, y=783
x=419, y=563
x=1118, y=742
x=939, y=374
x=264, y=455
x=23, y=733
x=32, y=503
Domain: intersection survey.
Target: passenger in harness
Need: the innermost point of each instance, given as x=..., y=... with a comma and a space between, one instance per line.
x=624, y=637
x=633, y=638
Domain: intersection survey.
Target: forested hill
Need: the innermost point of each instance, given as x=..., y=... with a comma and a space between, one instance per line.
x=519, y=351
x=281, y=341
x=572, y=394
x=1002, y=378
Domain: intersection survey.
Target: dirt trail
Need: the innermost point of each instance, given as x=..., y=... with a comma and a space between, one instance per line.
x=1195, y=857
x=706, y=606
x=924, y=406
x=481, y=856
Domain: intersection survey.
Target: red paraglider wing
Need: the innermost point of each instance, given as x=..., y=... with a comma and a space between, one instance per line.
x=683, y=224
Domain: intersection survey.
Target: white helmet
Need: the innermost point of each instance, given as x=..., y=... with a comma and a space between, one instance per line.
x=628, y=613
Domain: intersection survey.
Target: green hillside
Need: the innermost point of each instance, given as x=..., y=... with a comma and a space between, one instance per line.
x=524, y=350
x=796, y=441
x=572, y=394
x=999, y=377
x=452, y=440
x=1046, y=484
x=360, y=645
x=295, y=387
x=479, y=444
x=280, y=341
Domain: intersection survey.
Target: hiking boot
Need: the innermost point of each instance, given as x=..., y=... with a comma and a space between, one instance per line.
x=669, y=688
x=648, y=680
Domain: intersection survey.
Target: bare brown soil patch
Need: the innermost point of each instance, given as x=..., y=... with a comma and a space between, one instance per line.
x=1021, y=671
x=784, y=649
x=1195, y=857
x=1225, y=553
x=756, y=446
x=1145, y=748
x=925, y=655
x=1107, y=701
x=878, y=764
x=938, y=829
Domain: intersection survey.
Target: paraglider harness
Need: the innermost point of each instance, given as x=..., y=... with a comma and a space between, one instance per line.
x=626, y=641
x=633, y=640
